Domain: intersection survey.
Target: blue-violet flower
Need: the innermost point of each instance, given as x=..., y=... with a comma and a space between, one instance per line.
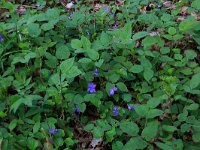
x=105, y=9
x=95, y=72
x=1, y=38
x=91, y=88
x=53, y=131
x=113, y=90
x=130, y=107
x=76, y=108
x=115, y=111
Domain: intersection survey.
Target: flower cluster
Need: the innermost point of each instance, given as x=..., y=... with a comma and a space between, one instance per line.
x=53, y=131
x=113, y=90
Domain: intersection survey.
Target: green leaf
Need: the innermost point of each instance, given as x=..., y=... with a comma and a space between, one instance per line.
x=93, y=54
x=136, y=69
x=110, y=134
x=105, y=39
x=150, y=131
x=12, y=124
x=34, y=30
x=164, y=146
x=130, y=128
x=148, y=74
x=139, y=35
x=49, y=25
x=153, y=102
x=122, y=87
x=36, y=127
x=194, y=82
x=76, y=44
x=89, y=127
x=190, y=54
x=154, y=113
x=169, y=128
x=141, y=110
x=135, y=143
x=196, y=4
x=84, y=60
x=62, y=52
x=73, y=72
x=187, y=24
x=97, y=133
x=172, y=31
x=86, y=43
x=66, y=65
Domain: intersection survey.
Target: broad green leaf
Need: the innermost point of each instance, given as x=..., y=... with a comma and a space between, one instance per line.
x=73, y=72
x=84, y=60
x=89, y=127
x=122, y=87
x=86, y=43
x=148, y=74
x=164, y=146
x=135, y=144
x=153, y=102
x=49, y=25
x=150, y=131
x=62, y=52
x=187, y=24
x=194, y=82
x=139, y=35
x=66, y=65
x=34, y=30
x=12, y=124
x=76, y=44
x=141, y=110
x=136, y=69
x=169, y=128
x=93, y=54
x=196, y=4
x=129, y=128
x=154, y=113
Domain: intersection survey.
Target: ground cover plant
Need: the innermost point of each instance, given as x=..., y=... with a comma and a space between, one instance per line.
x=99, y=74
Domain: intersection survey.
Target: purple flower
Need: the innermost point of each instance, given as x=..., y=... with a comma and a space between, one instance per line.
x=115, y=111
x=88, y=32
x=105, y=9
x=53, y=131
x=113, y=90
x=158, y=5
x=130, y=107
x=115, y=26
x=77, y=109
x=91, y=88
x=70, y=15
x=95, y=72
x=1, y=38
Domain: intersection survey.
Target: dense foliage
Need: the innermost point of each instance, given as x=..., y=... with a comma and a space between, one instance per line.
x=113, y=75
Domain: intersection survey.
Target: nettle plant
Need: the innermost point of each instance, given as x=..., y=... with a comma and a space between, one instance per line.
x=117, y=75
